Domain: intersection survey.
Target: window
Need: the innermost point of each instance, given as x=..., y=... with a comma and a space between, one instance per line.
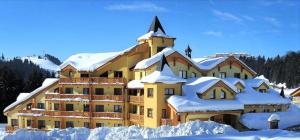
x=99, y=108
x=266, y=110
x=86, y=124
x=28, y=123
x=164, y=113
x=68, y=90
x=105, y=74
x=246, y=77
x=14, y=122
x=40, y=105
x=237, y=75
x=150, y=92
x=262, y=90
x=134, y=109
x=194, y=75
x=84, y=75
x=99, y=91
x=99, y=124
x=117, y=125
x=118, y=74
x=56, y=90
x=29, y=106
x=222, y=75
x=169, y=91
x=70, y=74
x=56, y=106
x=86, y=91
x=141, y=75
x=149, y=113
x=117, y=108
x=223, y=94
x=69, y=124
x=214, y=74
x=239, y=90
x=213, y=94
x=41, y=124
x=69, y=107
x=86, y=108
x=159, y=49
x=118, y=91
x=57, y=124
x=142, y=110
x=252, y=111
x=183, y=74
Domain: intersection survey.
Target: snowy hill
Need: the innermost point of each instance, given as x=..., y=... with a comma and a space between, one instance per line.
x=42, y=62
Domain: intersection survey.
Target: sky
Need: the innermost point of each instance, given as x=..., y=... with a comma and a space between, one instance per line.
x=66, y=27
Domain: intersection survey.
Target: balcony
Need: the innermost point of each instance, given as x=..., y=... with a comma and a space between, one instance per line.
x=31, y=112
x=108, y=97
x=136, y=118
x=166, y=122
x=92, y=80
x=108, y=115
x=67, y=113
x=73, y=96
x=136, y=99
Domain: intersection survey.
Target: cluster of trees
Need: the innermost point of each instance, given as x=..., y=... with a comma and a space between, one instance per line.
x=280, y=69
x=18, y=76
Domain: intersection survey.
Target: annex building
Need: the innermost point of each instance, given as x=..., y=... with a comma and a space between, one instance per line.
x=149, y=84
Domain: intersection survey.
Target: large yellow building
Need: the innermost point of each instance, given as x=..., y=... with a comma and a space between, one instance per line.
x=149, y=84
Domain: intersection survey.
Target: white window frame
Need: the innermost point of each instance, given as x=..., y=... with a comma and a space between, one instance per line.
x=222, y=75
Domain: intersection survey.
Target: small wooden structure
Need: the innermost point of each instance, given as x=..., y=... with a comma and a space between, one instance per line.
x=274, y=121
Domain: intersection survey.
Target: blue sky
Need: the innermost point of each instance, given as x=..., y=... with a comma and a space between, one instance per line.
x=63, y=28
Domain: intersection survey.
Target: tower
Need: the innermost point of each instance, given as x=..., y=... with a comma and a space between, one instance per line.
x=188, y=52
x=156, y=38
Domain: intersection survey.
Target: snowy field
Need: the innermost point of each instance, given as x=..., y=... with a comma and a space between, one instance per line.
x=190, y=130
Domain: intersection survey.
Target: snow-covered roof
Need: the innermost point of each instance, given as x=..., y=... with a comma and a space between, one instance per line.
x=200, y=85
x=274, y=117
x=22, y=95
x=42, y=62
x=260, y=120
x=159, y=33
x=165, y=76
x=255, y=83
x=252, y=97
x=91, y=61
x=48, y=82
x=154, y=59
x=210, y=63
x=192, y=103
x=135, y=84
x=234, y=81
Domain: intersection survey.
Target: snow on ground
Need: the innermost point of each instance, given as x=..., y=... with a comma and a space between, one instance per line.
x=132, y=132
x=260, y=120
x=189, y=130
x=42, y=62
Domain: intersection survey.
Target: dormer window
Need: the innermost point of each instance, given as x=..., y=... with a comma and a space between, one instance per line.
x=159, y=49
x=222, y=75
x=213, y=94
x=239, y=90
x=84, y=75
x=183, y=74
x=194, y=75
x=70, y=74
x=263, y=90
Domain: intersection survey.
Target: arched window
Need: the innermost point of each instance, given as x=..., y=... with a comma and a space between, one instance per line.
x=223, y=94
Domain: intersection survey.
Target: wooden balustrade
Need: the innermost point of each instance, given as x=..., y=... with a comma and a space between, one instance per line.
x=67, y=113
x=108, y=97
x=166, y=122
x=82, y=96
x=93, y=80
x=136, y=117
x=32, y=111
x=108, y=114
x=136, y=99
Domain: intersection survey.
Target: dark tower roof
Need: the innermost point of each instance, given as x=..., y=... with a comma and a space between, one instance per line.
x=188, y=49
x=162, y=63
x=155, y=25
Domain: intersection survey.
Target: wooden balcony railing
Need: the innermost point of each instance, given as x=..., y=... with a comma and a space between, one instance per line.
x=136, y=99
x=166, y=122
x=136, y=117
x=67, y=113
x=108, y=97
x=109, y=115
x=82, y=96
x=93, y=80
x=42, y=112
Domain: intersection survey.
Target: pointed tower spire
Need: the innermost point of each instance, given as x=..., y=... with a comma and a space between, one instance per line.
x=155, y=25
x=188, y=52
x=162, y=63
x=282, y=92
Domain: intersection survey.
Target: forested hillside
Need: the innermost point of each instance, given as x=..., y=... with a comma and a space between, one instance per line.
x=280, y=69
x=18, y=76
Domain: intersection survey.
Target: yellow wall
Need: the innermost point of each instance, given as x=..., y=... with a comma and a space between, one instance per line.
x=229, y=94
x=229, y=72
